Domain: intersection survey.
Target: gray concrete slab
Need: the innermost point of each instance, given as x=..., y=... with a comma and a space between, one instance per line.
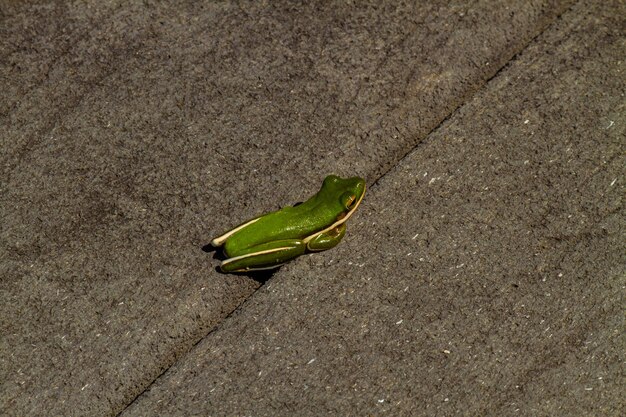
x=484, y=275
x=134, y=131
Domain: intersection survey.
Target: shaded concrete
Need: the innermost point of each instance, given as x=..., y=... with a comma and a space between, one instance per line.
x=484, y=275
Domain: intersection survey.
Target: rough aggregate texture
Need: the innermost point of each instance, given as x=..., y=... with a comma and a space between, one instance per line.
x=132, y=132
x=485, y=275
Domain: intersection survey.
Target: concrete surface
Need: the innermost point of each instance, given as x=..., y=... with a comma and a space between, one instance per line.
x=484, y=274
x=132, y=133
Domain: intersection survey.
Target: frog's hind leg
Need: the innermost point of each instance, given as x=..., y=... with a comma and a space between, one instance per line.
x=328, y=239
x=265, y=256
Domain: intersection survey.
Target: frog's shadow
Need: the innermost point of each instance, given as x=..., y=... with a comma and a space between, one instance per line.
x=259, y=276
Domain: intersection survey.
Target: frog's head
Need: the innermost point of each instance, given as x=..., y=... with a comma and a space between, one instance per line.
x=349, y=192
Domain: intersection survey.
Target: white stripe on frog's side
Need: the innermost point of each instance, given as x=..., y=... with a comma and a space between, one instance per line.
x=252, y=269
x=219, y=241
x=248, y=255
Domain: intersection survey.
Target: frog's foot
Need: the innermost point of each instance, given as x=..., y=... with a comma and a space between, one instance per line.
x=265, y=256
x=327, y=239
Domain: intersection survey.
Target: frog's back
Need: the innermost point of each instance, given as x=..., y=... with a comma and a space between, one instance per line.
x=287, y=223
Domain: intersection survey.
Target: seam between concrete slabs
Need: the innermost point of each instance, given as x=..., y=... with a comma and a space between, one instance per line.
x=468, y=97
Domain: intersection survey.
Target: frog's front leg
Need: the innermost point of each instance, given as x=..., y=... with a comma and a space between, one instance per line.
x=265, y=256
x=327, y=239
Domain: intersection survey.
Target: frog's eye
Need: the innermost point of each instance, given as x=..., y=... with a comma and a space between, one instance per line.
x=349, y=200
